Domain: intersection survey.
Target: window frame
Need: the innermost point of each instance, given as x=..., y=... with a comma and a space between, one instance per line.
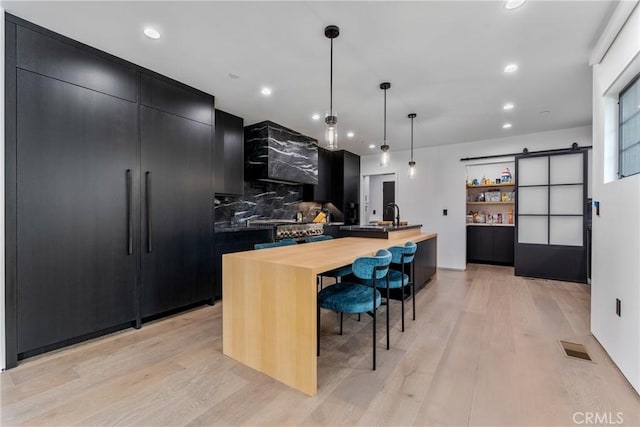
x=632, y=82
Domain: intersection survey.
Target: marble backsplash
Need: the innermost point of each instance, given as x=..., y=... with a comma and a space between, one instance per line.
x=267, y=200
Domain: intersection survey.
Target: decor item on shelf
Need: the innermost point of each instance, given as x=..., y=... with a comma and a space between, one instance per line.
x=412, y=163
x=506, y=175
x=384, y=148
x=492, y=196
x=510, y=216
x=331, y=134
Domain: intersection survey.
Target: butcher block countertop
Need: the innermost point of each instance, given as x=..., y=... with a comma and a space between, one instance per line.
x=270, y=303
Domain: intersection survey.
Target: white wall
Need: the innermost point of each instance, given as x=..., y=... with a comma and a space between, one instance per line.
x=616, y=232
x=440, y=183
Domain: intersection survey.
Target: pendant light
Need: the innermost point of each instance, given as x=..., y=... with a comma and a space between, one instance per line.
x=384, y=148
x=331, y=133
x=412, y=164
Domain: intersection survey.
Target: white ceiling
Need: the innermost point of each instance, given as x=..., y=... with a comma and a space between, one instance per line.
x=444, y=60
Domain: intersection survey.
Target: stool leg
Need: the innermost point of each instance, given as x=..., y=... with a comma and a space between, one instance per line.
x=388, y=312
x=341, y=323
x=413, y=285
x=402, y=301
x=374, y=328
x=358, y=317
x=318, y=329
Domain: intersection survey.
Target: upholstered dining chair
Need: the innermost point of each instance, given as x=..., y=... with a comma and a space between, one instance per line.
x=284, y=242
x=398, y=279
x=349, y=297
x=337, y=273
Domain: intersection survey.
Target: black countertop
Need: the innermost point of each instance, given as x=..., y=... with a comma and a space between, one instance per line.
x=231, y=229
x=378, y=228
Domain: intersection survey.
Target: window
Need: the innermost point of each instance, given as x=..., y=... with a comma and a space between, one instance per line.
x=629, y=129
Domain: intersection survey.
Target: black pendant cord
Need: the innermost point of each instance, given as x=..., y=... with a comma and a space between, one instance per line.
x=331, y=82
x=385, y=118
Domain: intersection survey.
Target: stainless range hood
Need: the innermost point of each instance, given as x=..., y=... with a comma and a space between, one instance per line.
x=274, y=153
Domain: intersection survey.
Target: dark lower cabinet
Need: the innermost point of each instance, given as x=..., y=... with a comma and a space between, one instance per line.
x=76, y=175
x=490, y=244
x=425, y=267
x=177, y=225
x=230, y=241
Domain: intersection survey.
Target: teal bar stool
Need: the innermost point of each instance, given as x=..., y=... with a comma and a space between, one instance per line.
x=347, y=297
x=398, y=279
x=337, y=273
x=284, y=242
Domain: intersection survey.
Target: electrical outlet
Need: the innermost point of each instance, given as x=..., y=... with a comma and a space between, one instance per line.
x=618, y=307
x=445, y=212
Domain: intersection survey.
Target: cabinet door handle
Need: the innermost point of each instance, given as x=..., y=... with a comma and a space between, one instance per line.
x=129, y=214
x=147, y=177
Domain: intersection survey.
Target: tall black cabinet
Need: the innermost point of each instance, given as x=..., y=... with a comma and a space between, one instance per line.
x=228, y=167
x=76, y=157
x=177, y=246
x=108, y=192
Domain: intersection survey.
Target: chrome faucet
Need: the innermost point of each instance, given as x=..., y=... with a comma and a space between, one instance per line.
x=396, y=208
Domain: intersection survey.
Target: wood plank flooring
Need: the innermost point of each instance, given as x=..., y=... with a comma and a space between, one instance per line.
x=484, y=350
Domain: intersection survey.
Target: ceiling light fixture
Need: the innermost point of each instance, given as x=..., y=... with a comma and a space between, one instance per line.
x=510, y=68
x=372, y=146
x=513, y=4
x=350, y=134
x=265, y=91
x=412, y=164
x=506, y=126
x=384, y=148
x=152, y=33
x=316, y=117
x=331, y=134
x=508, y=106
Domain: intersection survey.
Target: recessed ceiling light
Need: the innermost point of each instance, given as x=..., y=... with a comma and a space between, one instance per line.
x=234, y=76
x=514, y=4
x=152, y=33
x=316, y=117
x=265, y=91
x=350, y=134
x=510, y=68
x=506, y=126
x=508, y=106
x=372, y=146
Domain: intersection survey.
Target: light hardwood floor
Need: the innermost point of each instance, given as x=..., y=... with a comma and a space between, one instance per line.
x=484, y=350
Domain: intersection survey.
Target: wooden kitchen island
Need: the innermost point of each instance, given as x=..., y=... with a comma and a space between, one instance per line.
x=269, y=303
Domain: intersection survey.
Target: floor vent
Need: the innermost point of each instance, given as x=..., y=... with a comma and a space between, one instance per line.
x=574, y=350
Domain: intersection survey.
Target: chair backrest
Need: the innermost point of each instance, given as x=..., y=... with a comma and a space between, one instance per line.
x=408, y=250
x=368, y=266
x=284, y=242
x=317, y=238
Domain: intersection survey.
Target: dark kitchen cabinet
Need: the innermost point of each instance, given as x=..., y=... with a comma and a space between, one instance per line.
x=177, y=215
x=234, y=240
x=490, y=244
x=322, y=192
x=346, y=185
x=90, y=141
x=77, y=223
x=228, y=154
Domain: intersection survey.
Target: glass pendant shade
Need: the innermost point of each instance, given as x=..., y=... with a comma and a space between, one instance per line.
x=331, y=132
x=384, y=157
x=412, y=170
